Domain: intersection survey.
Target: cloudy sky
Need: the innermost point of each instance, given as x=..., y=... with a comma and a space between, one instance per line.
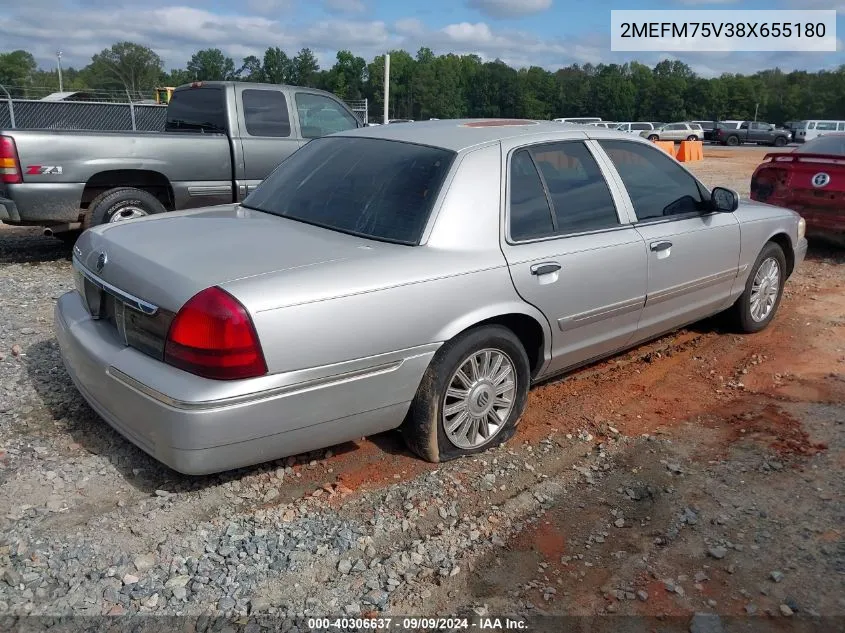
x=549, y=33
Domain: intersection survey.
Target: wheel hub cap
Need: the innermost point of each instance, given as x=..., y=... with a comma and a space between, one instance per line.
x=479, y=398
x=128, y=213
x=764, y=289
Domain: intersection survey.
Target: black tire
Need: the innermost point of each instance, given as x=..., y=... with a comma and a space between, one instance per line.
x=423, y=431
x=780, y=141
x=104, y=207
x=733, y=141
x=742, y=308
x=692, y=137
x=653, y=137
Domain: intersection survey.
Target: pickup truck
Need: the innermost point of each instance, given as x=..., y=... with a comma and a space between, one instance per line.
x=221, y=139
x=729, y=133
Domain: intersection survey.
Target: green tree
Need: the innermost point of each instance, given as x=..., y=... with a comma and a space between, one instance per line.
x=211, y=64
x=304, y=68
x=17, y=71
x=125, y=66
x=277, y=67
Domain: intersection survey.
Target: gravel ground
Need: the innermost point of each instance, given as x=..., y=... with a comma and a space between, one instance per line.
x=702, y=473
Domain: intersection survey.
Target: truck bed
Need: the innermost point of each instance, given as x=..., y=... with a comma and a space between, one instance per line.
x=64, y=170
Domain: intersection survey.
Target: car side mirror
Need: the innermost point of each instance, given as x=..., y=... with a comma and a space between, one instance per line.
x=724, y=200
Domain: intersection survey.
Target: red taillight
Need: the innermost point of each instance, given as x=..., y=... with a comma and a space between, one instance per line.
x=213, y=336
x=10, y=166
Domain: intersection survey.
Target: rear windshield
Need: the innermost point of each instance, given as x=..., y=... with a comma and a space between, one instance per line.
x=832, y=144
x=196, y=110
x=374, y=188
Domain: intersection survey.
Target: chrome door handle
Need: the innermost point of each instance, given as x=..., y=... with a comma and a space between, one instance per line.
x=545, y=268
x=660, y=246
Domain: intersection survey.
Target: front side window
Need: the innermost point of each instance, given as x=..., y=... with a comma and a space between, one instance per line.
x=657, y=185
x=320, y=115
x=642, y=126
x=266, y=113
x=373, y=188
x=563, y=178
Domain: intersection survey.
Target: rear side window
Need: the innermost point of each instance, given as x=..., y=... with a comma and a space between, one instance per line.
x=565, y=178
x=196, y=110
x=657, y=185
x=826, y=125
x=641, y=126
x=530, y=213
x=320, y=115
x=266, y=113
x=374, y=188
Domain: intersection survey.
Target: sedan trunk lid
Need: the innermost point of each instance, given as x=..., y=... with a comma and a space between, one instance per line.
x=167, y=259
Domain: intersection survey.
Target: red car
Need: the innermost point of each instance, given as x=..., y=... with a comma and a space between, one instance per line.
x=810, y=181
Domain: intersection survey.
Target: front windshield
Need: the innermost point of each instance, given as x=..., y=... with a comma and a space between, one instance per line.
x=832, y=144
x=375, y=188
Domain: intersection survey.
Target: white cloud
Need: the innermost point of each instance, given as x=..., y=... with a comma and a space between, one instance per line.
x=501, y=9
x=345, y=6
x=269, y=7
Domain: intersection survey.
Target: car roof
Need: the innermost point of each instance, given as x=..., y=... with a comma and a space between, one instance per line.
x=462, y=134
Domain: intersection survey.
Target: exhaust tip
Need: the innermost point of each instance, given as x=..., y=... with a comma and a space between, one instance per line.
x=48, y=232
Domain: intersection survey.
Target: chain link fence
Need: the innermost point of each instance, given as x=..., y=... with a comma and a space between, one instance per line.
x=81, y=115
x=96, y=115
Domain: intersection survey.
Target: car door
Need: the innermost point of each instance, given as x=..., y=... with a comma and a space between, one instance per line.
x=571, y=249
x=267, y=137
x=693, y=252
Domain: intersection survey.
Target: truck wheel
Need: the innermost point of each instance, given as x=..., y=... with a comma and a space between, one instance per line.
x=122, y=203
x=733, y=141
x=470, y=397
x=780, y=141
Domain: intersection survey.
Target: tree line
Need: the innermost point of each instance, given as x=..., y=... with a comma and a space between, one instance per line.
x=426, y=85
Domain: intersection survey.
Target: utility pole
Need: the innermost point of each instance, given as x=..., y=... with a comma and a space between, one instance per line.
x=756, y=109
x=59, y=58
x=386, y=86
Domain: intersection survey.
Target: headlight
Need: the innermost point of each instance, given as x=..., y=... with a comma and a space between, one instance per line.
x=802, y=228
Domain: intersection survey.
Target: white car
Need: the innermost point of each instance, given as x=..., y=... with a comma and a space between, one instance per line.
x=675, y=132
x=808, y=130
x=634, y=127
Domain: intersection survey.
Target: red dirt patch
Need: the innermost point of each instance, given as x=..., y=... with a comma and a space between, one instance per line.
x=550, y=542
x=769, y=425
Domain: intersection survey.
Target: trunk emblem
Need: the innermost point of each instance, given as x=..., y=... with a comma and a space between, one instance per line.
x=821, y=180
x=102, y=260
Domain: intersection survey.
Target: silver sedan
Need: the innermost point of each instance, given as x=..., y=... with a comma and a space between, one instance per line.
x=419, y=277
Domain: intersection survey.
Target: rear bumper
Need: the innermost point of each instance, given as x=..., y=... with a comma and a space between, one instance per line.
x=199, y=435
x=9, y=211
x=823, y=220
x=41, y=203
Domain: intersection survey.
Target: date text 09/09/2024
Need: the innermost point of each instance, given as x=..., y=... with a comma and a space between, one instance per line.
x=415, y=624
